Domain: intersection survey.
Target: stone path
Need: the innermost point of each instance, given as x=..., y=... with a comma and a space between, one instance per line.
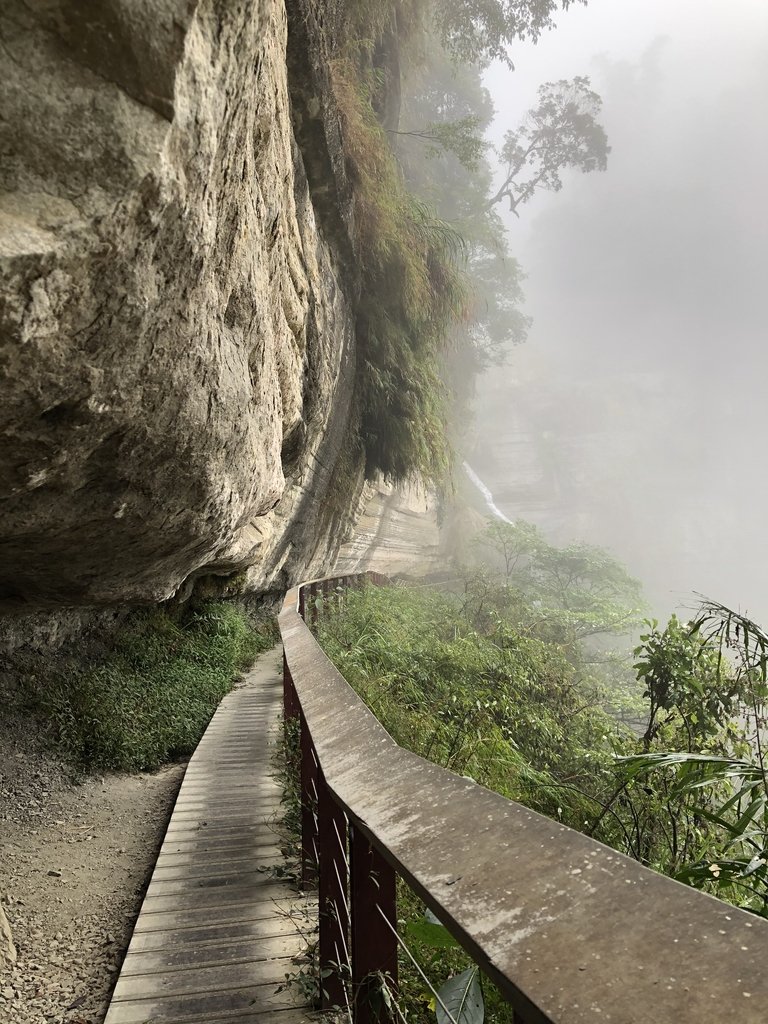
x=217, y=933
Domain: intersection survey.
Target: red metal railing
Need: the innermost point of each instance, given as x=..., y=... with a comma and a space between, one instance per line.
x=570, y=931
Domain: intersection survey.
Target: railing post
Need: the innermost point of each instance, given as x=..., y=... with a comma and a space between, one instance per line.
x=373, y=904
x=290, y=697
x=332, y=893
x=302, y=603
x=313, y=604
x=308, y=806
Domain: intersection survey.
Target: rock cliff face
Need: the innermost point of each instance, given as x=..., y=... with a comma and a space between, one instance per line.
x=176, y=300
x=397, y=532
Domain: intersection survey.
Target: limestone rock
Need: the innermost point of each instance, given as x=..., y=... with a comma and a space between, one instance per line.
x=7, y=949
x=176, y=326
x=397, y=532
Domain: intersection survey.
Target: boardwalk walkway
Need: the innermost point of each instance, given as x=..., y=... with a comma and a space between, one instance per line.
x=216, y=936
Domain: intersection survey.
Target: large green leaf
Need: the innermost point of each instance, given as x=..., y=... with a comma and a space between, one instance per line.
x=462, y=997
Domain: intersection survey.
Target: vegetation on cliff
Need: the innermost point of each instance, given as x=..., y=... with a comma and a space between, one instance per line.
x=412, y=291
x=440, y=295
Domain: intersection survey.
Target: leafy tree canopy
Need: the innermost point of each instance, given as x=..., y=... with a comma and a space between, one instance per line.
x=479, y=31
x=591, y=587
x=561, y=131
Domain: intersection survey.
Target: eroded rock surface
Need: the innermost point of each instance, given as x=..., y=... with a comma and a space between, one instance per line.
x=397, y=533
x=176, y=325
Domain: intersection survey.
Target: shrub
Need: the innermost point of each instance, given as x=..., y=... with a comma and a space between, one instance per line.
x=150, y=701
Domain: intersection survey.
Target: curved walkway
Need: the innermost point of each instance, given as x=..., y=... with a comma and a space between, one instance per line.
x=217, y=934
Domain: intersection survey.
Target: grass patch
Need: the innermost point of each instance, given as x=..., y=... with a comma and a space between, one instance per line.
x=149, y=702
x=494, y=702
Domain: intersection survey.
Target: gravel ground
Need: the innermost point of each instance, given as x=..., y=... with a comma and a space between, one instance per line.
x=75, y=860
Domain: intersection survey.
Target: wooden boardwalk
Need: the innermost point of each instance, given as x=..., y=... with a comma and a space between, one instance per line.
x=216, y=935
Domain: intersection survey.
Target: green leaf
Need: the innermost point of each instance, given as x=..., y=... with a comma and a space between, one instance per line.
x=754, y=865
x=462, y=997
x=433, y=935
x=757, y=804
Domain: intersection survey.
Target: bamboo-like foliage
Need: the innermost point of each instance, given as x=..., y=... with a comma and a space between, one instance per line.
x=708, y=685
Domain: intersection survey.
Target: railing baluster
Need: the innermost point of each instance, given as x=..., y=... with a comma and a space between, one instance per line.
x=374, y=946
x=334, y=919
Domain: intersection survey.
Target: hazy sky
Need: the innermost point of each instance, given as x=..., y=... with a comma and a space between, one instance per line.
x=648, y=289
x=709, y=35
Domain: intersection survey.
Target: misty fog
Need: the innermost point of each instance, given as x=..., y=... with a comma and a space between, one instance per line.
x=635, y=415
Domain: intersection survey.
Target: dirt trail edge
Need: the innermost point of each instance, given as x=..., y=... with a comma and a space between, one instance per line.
x=74, y=863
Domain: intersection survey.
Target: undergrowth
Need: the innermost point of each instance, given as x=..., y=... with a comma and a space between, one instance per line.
x=502, y=681
x=149, y=702
x=500, y=705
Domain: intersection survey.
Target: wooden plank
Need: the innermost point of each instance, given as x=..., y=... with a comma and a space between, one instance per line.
x=268, y=823
x=249, y=789
x=280, y=1015
x=213, y=820
x=248, y=878
x=248, y=797
x=201, y=870
x=219, y=840
x=210, y=865
x=215, y=784
x=246, y=1007
x=207, y=859
x=202, y=1006
x=258, y=806
x=154, y=918
x=221, y=808
x=266, y=892
x=177, y=938
x=263, y=833
x=219, y=979
x=230, y=950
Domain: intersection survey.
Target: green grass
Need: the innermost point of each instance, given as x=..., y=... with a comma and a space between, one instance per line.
x=149, y=702
x=499, y=703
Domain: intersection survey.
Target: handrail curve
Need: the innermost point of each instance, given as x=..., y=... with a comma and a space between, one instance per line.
x=570, y=930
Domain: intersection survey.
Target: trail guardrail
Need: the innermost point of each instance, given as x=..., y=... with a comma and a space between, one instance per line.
x=570, y=930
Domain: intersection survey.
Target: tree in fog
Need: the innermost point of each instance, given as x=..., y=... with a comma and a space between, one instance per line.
x=561, y=131
x=446, y=112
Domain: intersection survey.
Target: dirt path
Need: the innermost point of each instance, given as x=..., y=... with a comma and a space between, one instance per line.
x=74, y=862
